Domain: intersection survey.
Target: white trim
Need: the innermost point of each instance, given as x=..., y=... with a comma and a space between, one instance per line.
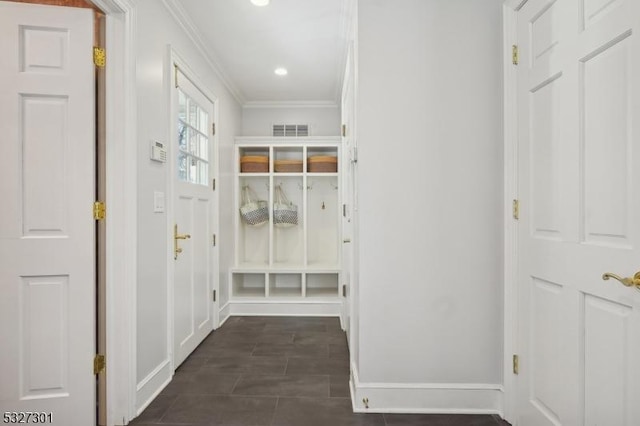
x=151, y=386
x=224, y=315
x=270, y=140
x=514, y=4
x=290, y=104
x=190, y=29
x=285, y=308
x=440, y=398
x=510, y=277
x=121, y=220
x=153, y=374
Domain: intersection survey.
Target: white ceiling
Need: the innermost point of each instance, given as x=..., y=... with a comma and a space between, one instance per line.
x=248, y=42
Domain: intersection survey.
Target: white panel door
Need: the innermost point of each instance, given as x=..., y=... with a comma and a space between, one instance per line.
x=194, y=218
x=579, y=183
x=47, y=231
x=347, y=165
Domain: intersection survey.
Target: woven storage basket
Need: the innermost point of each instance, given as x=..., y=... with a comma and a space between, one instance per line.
x=322, y=164
x=254, y=164
x=288, y=166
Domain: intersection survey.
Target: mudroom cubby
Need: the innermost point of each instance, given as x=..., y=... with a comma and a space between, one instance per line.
x=285, y=285
x=248, y=285
x=293, y=256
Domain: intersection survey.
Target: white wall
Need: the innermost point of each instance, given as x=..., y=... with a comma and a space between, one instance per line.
x=156, y=29
x=323, y=120
x=430, y=195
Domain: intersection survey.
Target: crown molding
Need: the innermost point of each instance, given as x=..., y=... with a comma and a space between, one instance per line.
x=180, y=16
x=290, y=104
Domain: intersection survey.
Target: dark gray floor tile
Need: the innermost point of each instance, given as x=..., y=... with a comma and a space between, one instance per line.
x=170, y=424
x=329, y=366
x=252, y=337
x=291, y=350
x=440, y=420
x=241, y=327
x=321, y=412
x=339, y=387
x=202, y=382
x=339, y=351
x=271, y=365
x=295, y=327
x=279, y=371
x=315, y=337
x=224, y=349
x=191, y=365
x=222, y=410
x=302, y=386
x=156, y=409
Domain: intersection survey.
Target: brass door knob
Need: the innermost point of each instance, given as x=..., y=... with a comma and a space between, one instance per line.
x=627, y=282
x=176, y=237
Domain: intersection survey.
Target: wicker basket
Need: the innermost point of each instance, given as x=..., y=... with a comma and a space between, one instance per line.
x=288, y=166
x=322, y=164
x=254, y=164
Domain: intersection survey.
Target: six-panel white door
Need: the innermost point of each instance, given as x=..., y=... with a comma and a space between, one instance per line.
x=47, y=232
x=579, y=184
x=194, y=216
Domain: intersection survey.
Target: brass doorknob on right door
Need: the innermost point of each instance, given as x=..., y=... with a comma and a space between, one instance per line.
x=627, y=282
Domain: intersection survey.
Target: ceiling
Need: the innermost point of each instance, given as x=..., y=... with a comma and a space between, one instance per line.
x=247, y=43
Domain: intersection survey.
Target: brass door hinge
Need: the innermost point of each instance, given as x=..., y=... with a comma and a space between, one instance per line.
x=99, y=364
x=344, y=290
x=213, y=128
x=344, y=130
x=175, y=75
x=213, y=184
x=515, y=54
x=516, y=209
x=99, y=57
x=214, y=295
x=516, y=364
x=99, y=210
x=214, y=240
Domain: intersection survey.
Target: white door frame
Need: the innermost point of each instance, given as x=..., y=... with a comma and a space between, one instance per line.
x=173, y=59
x=510, y=276
x=121, y=218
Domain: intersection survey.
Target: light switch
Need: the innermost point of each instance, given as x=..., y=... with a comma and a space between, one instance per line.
x=158, y=202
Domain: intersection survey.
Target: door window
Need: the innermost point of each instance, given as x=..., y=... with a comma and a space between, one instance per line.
x=193, y=142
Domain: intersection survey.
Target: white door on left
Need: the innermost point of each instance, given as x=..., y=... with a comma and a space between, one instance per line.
x=47, y=231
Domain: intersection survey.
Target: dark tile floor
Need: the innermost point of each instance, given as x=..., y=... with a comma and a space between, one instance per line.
x=274, y=371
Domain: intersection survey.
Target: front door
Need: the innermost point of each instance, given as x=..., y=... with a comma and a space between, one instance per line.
x=47, y=231
x=193, y=230
x=579, y=183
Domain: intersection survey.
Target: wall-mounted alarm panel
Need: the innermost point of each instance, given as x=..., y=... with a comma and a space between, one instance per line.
x=158, y=152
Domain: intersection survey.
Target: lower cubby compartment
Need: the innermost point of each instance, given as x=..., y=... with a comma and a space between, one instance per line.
x=322, y=285
x=248, y=284
x=285, y=285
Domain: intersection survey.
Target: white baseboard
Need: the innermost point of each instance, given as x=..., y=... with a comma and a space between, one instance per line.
x=224, y=314
x=152, y=385
x=425, y=398
x=284, y=308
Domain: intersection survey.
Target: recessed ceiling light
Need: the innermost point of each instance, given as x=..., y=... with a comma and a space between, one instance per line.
x=281, y=71
x=260, y=2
